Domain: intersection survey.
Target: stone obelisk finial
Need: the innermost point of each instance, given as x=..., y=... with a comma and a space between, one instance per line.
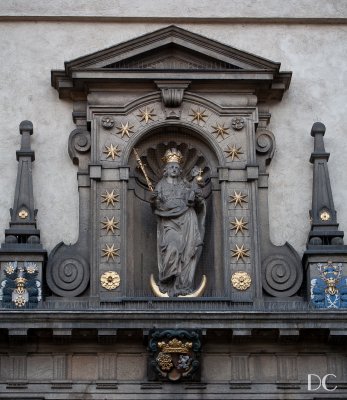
x=23, y=214
x=324, y=227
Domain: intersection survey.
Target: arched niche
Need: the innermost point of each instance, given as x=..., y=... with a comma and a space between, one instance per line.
x=141, y=230
x=209, y=98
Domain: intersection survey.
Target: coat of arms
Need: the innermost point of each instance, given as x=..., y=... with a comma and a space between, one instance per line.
x=174, y=355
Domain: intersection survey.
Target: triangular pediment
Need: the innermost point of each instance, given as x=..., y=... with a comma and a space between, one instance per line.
x=172, y=48
x=172, y=53
x=172, y=58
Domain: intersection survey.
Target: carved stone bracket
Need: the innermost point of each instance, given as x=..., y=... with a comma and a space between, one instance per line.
x=265, y=146
x=79, y=146
x=172, y=92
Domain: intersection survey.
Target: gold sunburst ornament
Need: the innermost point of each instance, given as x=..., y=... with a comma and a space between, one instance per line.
x=239, y=225
x=241, y=280
x=146, y=115
x=240, y=252
x=125, y=129
x=110, y=252
x=112, y=151
x=238, y=198
x=198, y=115
x=233, y=152
x=110, y=198
x=110, y=280
x=110, y=224
x=220, y=130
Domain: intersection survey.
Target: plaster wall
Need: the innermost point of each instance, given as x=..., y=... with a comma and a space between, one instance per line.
x=314, y=52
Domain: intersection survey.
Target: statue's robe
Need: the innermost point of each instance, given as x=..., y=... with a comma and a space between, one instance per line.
x=180, y=232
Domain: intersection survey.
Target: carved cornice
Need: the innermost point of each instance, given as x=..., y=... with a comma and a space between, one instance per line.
x=175, y=54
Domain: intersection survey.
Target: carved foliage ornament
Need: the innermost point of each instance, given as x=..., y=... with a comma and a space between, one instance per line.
x=110, y=280
x=107, y=122
x=241, y=280
x=237, y=123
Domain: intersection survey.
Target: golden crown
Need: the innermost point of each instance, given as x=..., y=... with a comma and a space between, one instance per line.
x=173, y=155
x=175, y=346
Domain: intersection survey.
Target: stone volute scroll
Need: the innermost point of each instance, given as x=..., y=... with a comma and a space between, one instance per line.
x=181, y=212
x=282, y=273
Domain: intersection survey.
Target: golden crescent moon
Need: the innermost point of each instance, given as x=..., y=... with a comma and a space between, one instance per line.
x=198, y=292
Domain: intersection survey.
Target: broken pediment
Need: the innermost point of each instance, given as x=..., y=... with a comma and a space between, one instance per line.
x=173, y=53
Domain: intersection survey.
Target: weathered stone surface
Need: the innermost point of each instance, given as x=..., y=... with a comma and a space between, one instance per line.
x=269, y=9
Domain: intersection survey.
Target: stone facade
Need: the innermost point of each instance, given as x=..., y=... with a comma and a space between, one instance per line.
x=80, y=321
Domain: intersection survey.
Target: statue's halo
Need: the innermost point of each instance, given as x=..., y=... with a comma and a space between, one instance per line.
x=198, y=292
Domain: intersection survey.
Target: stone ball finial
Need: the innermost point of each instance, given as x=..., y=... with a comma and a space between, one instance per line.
x=26, y=126
x=317, y=128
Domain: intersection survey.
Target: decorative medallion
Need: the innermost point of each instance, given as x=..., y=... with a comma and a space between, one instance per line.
x=329, y=290
x=239, y=225
x=110, y=251
x=107, y=122
x=174, y=355
x=240, y=252
x=220, y=130
x=241, y=280
x=198, y=115
x=125, y=129
x=233, y=152
x=21, y=286
x=146, y=115
x=20, y=301
x=23, y=214
x=238, y=199
x=324, y=216
x=112, y=151
x=110, y=224
x=110, y=198
x=237, y=123
x=110, y=280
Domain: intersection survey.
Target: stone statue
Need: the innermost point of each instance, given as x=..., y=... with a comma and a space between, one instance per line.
x=181, y=210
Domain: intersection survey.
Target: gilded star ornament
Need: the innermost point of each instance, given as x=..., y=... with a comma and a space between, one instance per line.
x=110, y=251
x=233, y=152
x=112, y=151
x=220, y=130
x=110, y=198
x=110, y=225
x=240, y=252
x=146, y=115
x=238, y=199
x=239, y=225
x=198, y=115
x=125, y=129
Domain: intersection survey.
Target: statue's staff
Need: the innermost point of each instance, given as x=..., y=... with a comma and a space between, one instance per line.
x=142, y=167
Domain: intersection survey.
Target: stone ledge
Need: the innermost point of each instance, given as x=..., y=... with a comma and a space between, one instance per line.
x=316, y=11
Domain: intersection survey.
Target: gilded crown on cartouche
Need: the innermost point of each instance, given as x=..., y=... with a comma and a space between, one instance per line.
x=173, y=155
x=175, y=346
